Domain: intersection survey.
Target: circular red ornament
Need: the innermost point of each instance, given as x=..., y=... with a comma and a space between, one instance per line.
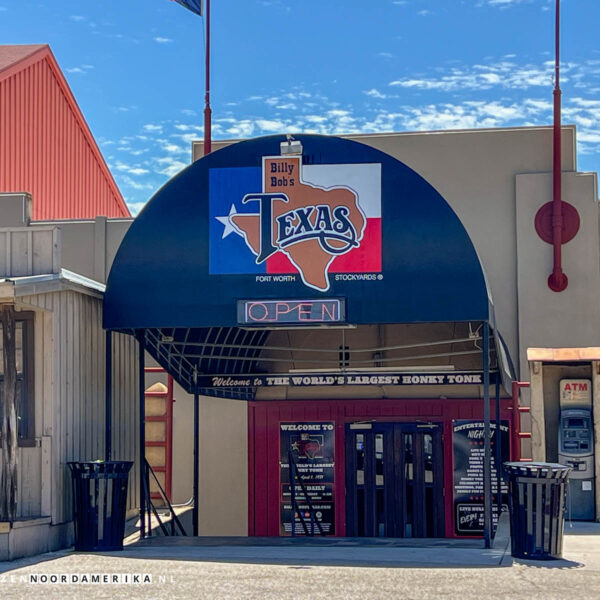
x=570, y=225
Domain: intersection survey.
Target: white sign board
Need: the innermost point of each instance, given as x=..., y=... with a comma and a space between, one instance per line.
x=575, y=393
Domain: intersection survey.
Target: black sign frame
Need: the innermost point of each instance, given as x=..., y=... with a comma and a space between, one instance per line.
x=313, y=448
x=467, y=487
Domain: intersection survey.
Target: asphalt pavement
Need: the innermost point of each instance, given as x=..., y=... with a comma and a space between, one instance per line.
x=345, y=570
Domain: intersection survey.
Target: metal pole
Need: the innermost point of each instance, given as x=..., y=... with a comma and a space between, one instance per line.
x=108, y=399
x=142, y=403
x=292, y=491
x=498, y=448
x=196, y=463
x=487, y=458
x=207, y=111
x=558, y=280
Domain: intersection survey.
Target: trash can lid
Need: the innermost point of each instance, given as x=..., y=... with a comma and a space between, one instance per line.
x=536, y=466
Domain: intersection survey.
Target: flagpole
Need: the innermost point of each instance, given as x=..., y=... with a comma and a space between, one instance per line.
x=557, y=281
x=207, y=111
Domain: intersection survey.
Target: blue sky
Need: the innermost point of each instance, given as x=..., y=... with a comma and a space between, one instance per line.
x=136, y=68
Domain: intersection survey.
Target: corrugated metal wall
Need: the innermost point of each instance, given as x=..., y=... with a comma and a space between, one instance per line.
x=70, y=392
x=29, y=476
x=46, y=150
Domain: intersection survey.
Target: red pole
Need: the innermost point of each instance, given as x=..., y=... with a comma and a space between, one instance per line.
x=517, y=409
x=514, y=437
x=558, y=280
x=207, y=111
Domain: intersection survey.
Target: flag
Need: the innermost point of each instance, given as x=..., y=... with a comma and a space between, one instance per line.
x=194, y=5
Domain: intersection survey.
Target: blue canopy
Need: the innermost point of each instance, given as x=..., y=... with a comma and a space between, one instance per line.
x=382, y=239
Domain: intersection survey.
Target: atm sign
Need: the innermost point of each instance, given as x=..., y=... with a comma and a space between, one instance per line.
x=575, y=393
x=291, y=312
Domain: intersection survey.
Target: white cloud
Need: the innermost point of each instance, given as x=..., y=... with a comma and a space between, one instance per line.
x=277, y=4
x=505, y=74
x=132, y=170
x=373, y=93
x=136, y=185
x=78, y=18
x=504, y=4
x=151, y=128
x=162, y=40
x=188, y=138
x=169, y=166
x=270, y=125
x=243, y=128
x=338, y=113
x=174, y=149
x=81, y=69
x=315, y=118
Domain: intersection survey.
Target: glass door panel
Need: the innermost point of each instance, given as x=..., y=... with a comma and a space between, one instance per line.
x=394, y=479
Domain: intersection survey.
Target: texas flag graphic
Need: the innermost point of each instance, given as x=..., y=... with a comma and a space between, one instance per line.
x=290, y=218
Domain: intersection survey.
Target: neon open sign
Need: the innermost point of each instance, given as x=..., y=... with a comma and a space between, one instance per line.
x=291, y=312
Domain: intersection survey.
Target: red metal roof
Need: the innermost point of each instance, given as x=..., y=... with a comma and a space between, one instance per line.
x=46, y=147
x=9, y=55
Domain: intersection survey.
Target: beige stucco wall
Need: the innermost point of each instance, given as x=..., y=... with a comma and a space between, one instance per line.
x=183, y=439
x=89, y=247
x=223, y=494
x=570, y=318
x=223, y=461
x=596, y=416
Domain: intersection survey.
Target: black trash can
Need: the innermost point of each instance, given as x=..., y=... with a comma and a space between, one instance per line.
x=536, y=501
x=99, y=503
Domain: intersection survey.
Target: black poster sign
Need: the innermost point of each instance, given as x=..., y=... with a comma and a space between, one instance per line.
x=468, y=475
x=312, y=451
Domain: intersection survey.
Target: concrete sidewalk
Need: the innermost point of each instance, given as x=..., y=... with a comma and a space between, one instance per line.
x=318, y=551
x=362, y=555
x=206, y=569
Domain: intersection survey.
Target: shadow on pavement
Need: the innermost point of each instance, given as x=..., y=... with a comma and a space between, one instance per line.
x=550, y=564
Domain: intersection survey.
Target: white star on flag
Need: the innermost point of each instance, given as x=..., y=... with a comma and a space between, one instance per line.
x=229, y=227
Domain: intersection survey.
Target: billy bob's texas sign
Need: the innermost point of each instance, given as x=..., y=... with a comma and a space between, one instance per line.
x=289, y=218
x=341, y=222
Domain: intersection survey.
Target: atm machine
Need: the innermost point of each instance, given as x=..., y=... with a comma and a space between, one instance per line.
x=576, y=446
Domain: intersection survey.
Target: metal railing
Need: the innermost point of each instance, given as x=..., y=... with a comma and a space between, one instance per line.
x=150, y=508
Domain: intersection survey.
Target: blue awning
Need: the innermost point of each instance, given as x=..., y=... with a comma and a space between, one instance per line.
x=247, y=222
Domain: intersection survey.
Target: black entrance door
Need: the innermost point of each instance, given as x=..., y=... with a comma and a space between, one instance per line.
x=394, y=480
